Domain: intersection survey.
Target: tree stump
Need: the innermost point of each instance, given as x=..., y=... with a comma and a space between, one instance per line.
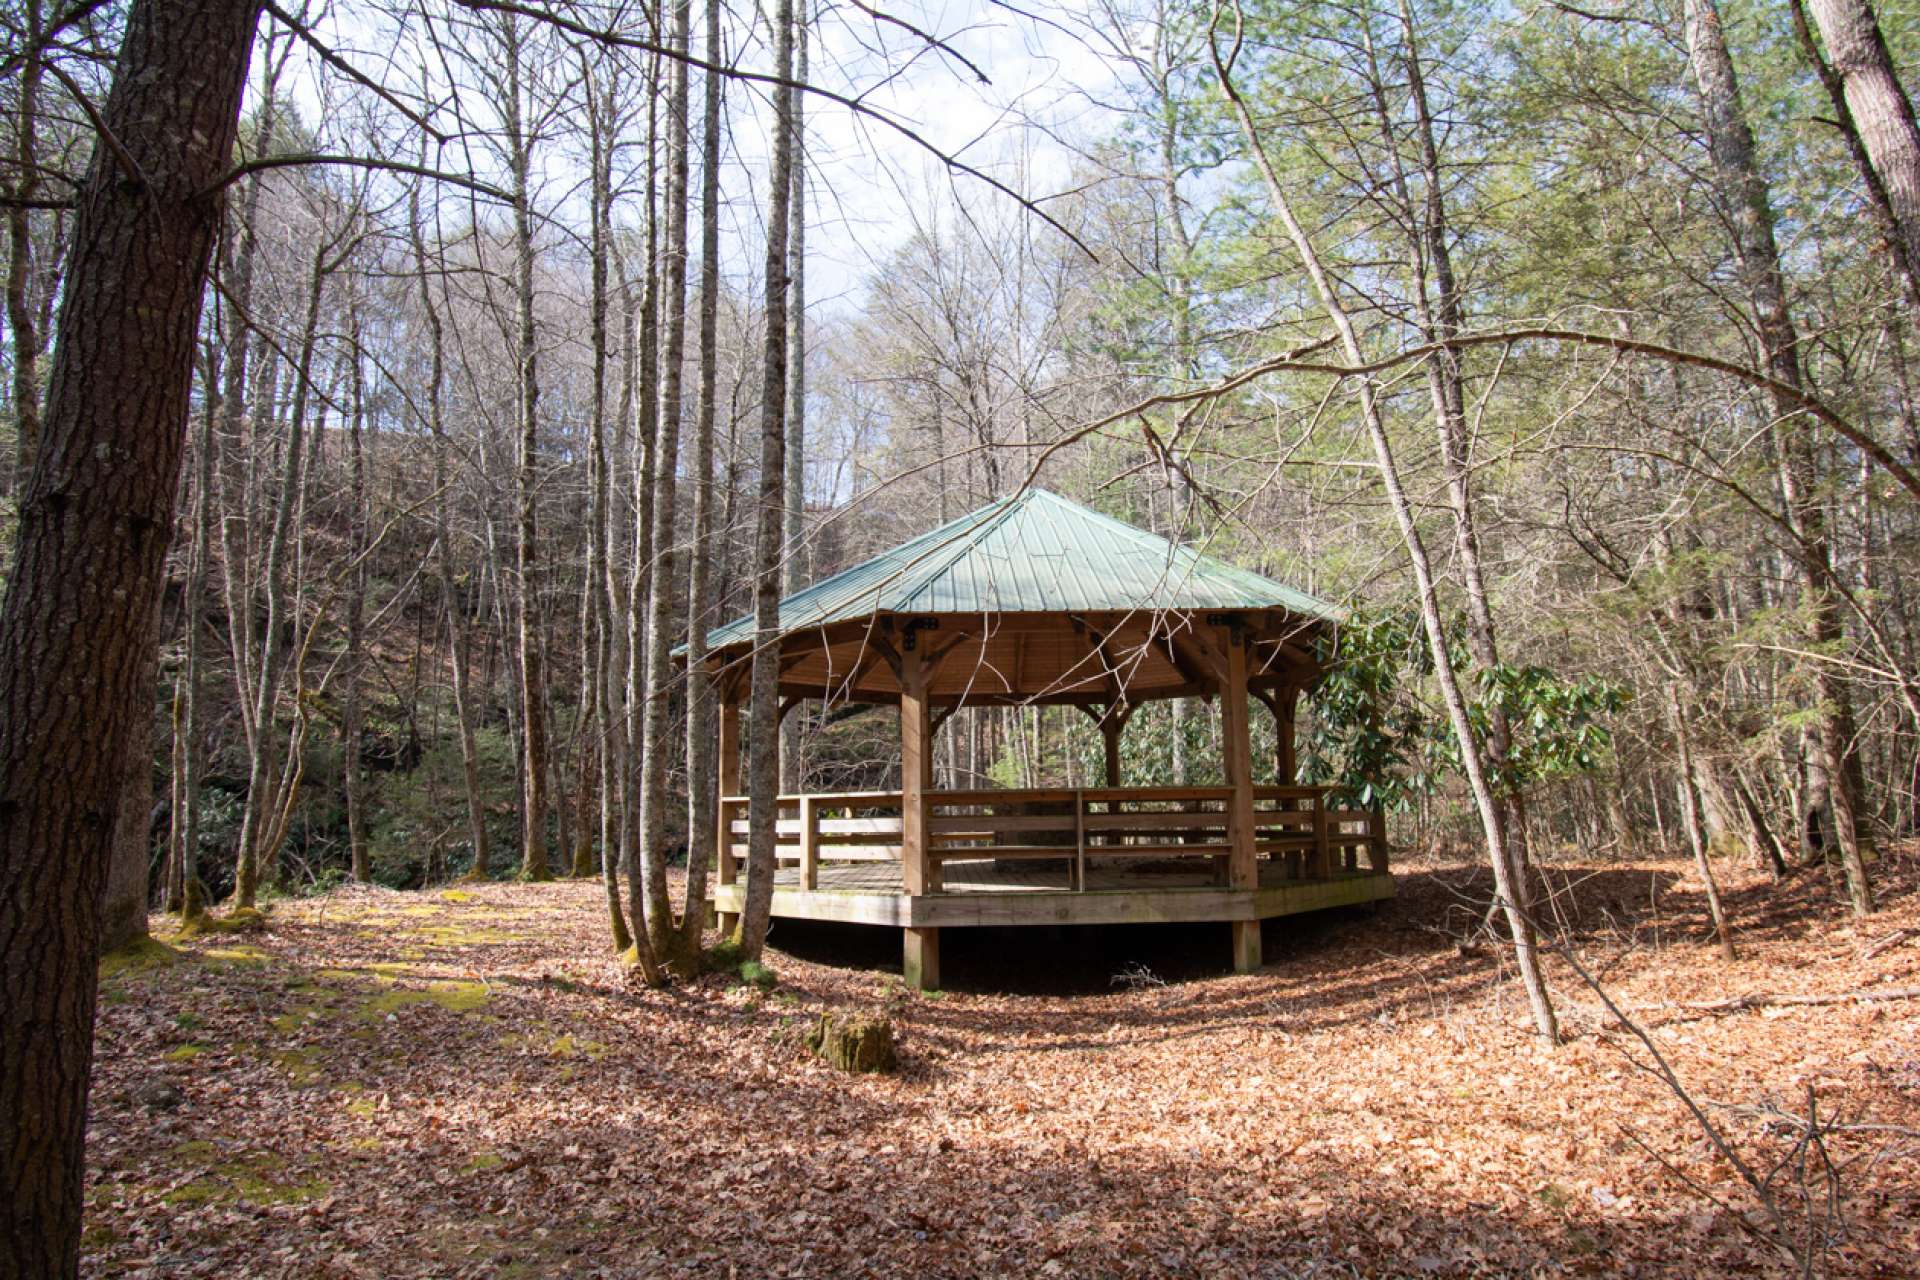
x=854, y=1042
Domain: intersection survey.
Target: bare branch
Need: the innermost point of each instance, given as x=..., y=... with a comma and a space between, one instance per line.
x=947, y=159
x=305, y=159
x=347, y=69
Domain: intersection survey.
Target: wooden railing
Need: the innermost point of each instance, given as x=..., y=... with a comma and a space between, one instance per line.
x=841, y=826
x=1292, y=826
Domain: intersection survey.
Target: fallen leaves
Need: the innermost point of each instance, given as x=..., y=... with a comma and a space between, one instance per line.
x=464, y=1083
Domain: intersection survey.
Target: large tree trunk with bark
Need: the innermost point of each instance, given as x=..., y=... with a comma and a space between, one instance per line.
x=76, y=627
x=123, y=916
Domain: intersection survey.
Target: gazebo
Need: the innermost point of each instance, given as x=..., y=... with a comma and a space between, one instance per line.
x=1034, y=599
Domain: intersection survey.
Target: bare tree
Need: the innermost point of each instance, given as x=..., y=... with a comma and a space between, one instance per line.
x=1492, y=818
x=702, y=751
x=763, y=710
x=520, y=136
x=599, y=632
x=657, y=908
x=1743, y=195
x=796, y=481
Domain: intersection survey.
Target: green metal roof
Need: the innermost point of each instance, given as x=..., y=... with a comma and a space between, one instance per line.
x=1033, y=552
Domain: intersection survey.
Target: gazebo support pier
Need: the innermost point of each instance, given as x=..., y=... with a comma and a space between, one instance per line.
x=920, y=958
x=1246, y=946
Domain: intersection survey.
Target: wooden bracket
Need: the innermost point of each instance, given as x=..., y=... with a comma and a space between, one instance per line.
x=911, y=629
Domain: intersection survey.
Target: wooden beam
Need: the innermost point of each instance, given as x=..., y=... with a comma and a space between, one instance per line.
x=1243, y=870
x=884, y=647
x=809, y=844
x=1212, y=645
x=1322, y=862
x=1080, y=841
x=1193, y=669
x=729, y=785
x=869, y=656
x=921, y=873
x=1286, y=762
x=937, y=656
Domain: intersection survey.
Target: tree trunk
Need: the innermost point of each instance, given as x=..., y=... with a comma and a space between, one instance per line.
x=1696, y=822
x=258, y=846
x=1526, y=954
x=123, y=918
x=1766, y=846
x=1743, y=195
x=656, y=911
x=1441, y=321
x=459, y=628
x=1878, y=105
x=94, y=527
x=598, y=632
x=643, y=579
x=20, y=318
x=790, y=731
x=763, y=703
x=702, y=753
x=352, y=715
x=186, y=876
x=1905, y=264
x=532, y=659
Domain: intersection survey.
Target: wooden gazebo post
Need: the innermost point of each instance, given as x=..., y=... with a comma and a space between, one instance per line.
x=1243, y=868
x=1112, y=725
x=1286, y=763
x=921, y=945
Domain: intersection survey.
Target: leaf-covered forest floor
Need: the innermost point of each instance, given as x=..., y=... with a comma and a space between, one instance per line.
x=465, y=1083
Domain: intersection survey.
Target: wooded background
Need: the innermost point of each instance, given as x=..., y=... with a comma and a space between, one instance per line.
x=488, y=414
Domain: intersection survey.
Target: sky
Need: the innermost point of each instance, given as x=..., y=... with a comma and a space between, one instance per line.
x=865, y=179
